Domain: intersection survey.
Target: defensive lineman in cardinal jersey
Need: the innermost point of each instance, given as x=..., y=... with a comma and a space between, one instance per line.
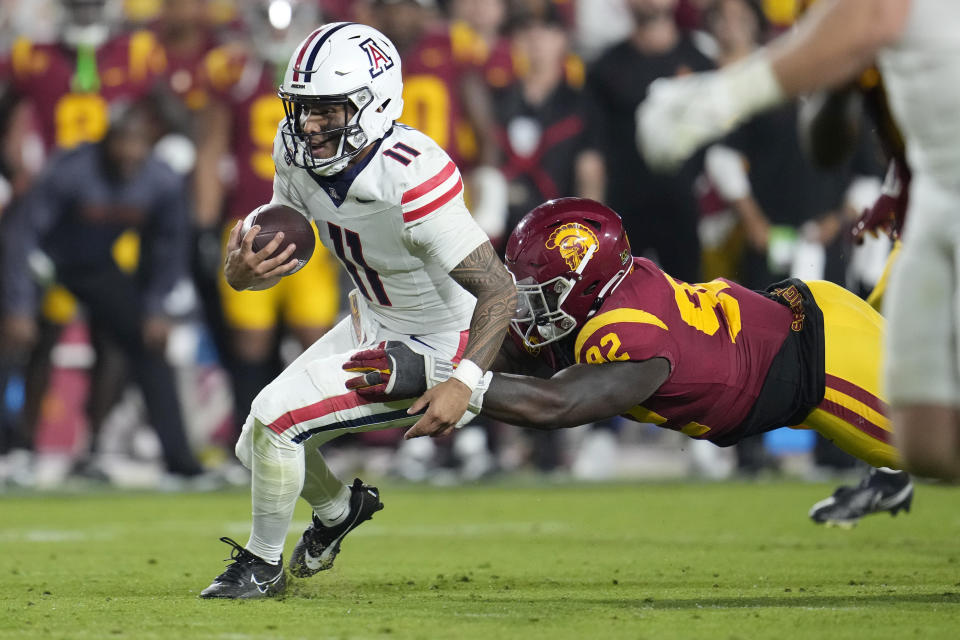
x=388, y=202
x=714, y=360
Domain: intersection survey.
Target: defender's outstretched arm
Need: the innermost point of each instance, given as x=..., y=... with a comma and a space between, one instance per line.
x=579, y=394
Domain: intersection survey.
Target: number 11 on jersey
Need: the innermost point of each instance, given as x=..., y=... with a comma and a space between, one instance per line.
x=341, y=236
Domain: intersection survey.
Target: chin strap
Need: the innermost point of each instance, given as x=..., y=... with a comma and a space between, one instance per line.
x=607, y=289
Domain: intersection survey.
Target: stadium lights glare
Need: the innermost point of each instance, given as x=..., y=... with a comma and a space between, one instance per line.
x=280, y=14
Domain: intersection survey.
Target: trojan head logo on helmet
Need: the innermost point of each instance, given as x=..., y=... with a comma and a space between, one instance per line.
x=341, y=92
x=573, y=240
x=567, y=256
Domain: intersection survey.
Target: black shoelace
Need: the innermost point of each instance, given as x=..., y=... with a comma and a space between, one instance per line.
x=240, y=560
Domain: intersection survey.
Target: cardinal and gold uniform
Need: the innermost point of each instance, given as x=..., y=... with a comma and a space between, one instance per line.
x=432, y=102
x=311, y=297
x=69, y=93
x=183, y=73
x=805, y=355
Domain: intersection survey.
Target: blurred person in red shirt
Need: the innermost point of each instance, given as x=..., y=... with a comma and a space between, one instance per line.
x=184, y=30
x=479, y=26
x=67, y=86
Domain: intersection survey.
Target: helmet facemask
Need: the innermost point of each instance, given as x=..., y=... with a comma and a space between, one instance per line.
x=299, y=144
x=540, y=318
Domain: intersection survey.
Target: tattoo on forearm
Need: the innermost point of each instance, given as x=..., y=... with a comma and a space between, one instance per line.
x=482, y=274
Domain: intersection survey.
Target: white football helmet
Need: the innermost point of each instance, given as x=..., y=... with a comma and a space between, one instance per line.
x=341, y=63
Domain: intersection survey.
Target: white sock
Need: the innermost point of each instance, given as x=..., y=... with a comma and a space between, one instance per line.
x=328, y=496
x=276, y=482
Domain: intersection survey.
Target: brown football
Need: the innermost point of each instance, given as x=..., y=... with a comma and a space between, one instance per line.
x=279, y=217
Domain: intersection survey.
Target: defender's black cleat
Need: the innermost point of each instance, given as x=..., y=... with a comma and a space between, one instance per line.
x=248, y=576
x=878, y=491
x=319, y=545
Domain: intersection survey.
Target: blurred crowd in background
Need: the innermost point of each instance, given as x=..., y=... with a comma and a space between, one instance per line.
x=136, y=132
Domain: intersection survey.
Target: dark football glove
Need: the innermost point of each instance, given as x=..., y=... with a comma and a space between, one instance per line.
x=394, y=371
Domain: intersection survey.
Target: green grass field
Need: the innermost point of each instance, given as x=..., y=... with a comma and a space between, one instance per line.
x=567, y=561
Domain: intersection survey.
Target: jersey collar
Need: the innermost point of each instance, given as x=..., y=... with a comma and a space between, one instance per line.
x=337, y=186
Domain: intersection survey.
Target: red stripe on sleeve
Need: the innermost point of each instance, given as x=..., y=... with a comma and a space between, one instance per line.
x=432, y=183
x=416, y=214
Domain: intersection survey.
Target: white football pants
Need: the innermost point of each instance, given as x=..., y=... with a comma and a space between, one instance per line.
x=306, y=406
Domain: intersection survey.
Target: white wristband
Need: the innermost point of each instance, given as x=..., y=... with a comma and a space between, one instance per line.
x=468, y=373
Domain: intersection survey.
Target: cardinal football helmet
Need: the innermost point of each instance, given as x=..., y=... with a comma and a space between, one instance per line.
x=342, y=63
x=567, y=256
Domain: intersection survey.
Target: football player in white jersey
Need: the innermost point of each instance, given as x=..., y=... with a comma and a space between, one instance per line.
x=388, y=202
x=917, y=45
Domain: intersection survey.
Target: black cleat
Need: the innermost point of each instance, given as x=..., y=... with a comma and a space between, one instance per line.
x=878, y=491
x=247, y=577
x=319, y=545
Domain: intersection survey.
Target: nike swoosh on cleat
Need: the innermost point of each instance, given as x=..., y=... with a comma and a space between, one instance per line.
x=893, y=500
x=263, y=586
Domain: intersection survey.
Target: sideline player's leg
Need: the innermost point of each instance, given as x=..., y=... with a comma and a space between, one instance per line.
x=853, y=414
x=922, y=371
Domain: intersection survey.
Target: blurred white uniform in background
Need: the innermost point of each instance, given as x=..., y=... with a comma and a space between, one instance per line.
x=922, y=77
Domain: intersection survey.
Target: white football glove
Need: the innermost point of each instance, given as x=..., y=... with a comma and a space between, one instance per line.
x=682, y=114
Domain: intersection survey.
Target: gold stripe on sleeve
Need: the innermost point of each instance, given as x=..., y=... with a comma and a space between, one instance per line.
x=596, y=323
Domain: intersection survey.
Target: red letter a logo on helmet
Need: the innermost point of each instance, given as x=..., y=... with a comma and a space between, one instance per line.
x=379, y=61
